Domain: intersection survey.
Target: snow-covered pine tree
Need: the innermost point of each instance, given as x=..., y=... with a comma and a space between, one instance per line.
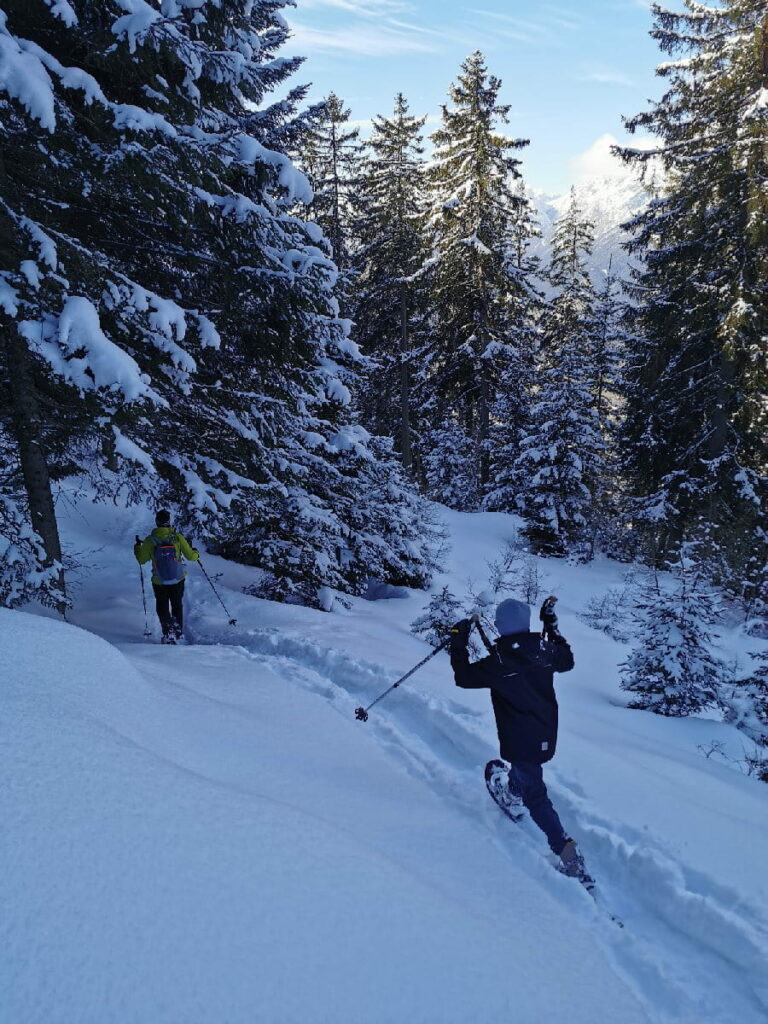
x=611, y=335
x=389, y=301
x=746, y=705
x=673, y=668
x=561, y=464
x=434, y=625
x=473, y=286
x=697, y=426
x=156, y=270
x=331, y=156
x=449, y=466
x=511, y=413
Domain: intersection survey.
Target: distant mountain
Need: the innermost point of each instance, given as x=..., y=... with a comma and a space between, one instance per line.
x=608, y=201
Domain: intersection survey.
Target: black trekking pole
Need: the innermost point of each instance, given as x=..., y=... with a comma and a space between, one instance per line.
x=361, y=714
x=147, y=630
x=232, y=622
x=483, y=635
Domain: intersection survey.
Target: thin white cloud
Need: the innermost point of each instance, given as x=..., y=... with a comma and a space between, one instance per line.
x=364, y=8
x=362, y=40
x=607, y=77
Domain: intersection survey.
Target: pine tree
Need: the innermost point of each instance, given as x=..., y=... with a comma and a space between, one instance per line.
x=160, y=289
x=562, y=459
x=473, y=285
x=512, y=409
x=747, y=708
x=388, y=297
x=673, y=669
x=434, y=625
x=331, y=155
x=697, y=429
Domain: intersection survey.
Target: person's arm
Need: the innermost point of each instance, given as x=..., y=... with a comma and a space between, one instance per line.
x=142, y=549
x=560, y=655
x=190, y=553
x=471, y=677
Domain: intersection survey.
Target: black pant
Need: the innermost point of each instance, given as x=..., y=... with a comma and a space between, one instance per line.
x=169, y=604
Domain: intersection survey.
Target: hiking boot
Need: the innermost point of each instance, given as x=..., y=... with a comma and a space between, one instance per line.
x=572, y=864
x=167, y=638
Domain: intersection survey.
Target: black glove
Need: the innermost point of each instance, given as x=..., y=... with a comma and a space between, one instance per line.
x=460, y=633
x=548, y=618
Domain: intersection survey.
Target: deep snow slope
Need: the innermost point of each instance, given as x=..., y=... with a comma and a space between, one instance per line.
x=206, y=834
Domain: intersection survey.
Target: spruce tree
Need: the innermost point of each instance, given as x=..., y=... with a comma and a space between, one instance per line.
x=561, y=462
x=389, y=296
x=331, y=155
x=697, y=429
x=473, y=286
x=673, y=669
x=160, y=290
x=512, y=408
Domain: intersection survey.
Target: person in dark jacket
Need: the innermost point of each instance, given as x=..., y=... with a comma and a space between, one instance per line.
x=167, y=549
x=519, y=674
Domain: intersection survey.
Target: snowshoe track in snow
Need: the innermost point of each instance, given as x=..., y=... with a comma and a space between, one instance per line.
x=682, y=930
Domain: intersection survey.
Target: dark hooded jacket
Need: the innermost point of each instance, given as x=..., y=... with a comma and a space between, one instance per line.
x=519, y=674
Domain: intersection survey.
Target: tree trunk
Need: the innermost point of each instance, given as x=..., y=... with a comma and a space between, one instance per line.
x=28, y=435
x=405, y=405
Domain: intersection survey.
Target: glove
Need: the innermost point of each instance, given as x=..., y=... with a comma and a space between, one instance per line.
x=460, y=633
x=548, y=617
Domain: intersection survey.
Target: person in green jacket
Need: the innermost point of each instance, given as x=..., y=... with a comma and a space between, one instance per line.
x=167, y=549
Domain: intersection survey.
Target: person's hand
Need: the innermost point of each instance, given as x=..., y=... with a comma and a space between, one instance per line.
x=547, y=612
x=460, y=632
x=548, y=617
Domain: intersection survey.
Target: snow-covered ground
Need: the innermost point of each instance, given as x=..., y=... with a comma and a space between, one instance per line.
x=205, y=834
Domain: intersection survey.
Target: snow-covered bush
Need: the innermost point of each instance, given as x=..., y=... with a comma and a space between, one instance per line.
x=673, y=668
x=444, y=609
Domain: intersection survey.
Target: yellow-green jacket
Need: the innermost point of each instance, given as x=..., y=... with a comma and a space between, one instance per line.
x=146, y=549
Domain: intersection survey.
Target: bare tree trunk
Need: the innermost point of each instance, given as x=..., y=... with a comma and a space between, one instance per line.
x=405, y=405
x=27, y=429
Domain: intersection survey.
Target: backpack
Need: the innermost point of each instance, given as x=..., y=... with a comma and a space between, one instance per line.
x=168, y=566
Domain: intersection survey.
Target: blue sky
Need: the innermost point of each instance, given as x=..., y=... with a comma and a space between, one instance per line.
x=569, y=70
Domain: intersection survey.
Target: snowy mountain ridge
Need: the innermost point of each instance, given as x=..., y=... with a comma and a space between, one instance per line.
x=609, y=201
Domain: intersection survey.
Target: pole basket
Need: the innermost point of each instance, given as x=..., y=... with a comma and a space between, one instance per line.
x=361, y=714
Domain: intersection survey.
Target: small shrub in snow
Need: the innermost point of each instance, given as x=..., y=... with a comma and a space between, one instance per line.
x=609, y=612
x=443, y=610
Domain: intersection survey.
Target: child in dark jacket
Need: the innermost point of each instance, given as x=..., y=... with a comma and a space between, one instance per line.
x=519, y=674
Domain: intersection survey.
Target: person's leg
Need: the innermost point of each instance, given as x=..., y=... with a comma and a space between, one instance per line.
x=162, y=607
x=527, y=780
x=176, y=596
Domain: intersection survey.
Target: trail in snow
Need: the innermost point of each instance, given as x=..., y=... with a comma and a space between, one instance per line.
x=693, y=950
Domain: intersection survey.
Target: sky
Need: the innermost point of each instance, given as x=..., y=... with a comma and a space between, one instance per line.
x=569, y=71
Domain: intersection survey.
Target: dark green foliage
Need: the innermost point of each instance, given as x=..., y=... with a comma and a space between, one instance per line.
x=696, y=432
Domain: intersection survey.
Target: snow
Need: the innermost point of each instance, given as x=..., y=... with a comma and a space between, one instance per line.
x=136, y=23
x=80, y=352
x=206, y=833
x=131, y=451
x=25, y=79
x=295, y=183
x=8, y=297
x=62, y=9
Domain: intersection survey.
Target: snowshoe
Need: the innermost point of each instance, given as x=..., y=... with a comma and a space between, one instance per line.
x=168, y=638
x=572, y=865
x=497, y=781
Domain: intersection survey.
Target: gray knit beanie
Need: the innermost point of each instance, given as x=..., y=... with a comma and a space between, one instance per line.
x=513, y=617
